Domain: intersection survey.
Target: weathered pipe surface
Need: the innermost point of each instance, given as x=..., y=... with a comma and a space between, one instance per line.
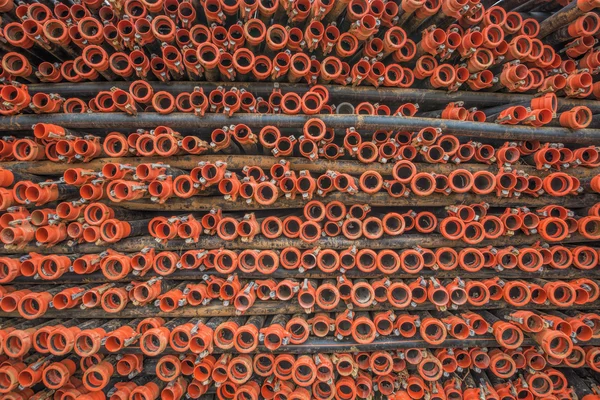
x=363, y=122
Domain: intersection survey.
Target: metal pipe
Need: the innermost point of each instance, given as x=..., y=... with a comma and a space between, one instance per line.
x=565, y=15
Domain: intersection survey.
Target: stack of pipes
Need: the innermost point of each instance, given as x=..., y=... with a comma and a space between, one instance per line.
x=296, y=200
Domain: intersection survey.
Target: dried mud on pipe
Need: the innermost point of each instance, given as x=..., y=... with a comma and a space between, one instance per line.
x=135, y=244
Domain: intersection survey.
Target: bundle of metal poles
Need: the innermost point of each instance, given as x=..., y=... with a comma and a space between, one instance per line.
x=299, y=199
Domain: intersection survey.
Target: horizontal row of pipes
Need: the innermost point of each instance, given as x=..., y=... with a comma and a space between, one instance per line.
x=141, y=97
x=55, y=143
x=323, y=374
x=97, y=43
x=291, y=261
x=163, y=183
x=202, y=336
x=310, y=294
x=187, y=122
x=49, y=226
